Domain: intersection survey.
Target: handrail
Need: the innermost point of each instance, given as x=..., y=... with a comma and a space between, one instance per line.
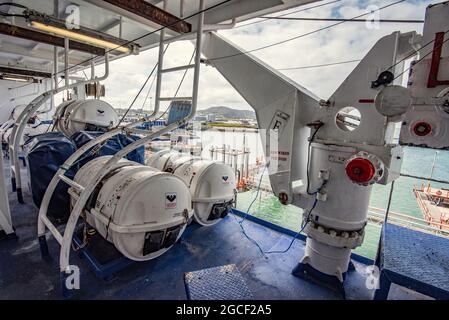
x=26, y=114
x=95, y=179
x=374, y=209
x=424, y=178
x=416, y=225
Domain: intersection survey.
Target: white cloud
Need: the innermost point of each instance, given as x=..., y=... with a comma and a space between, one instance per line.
x=346, y=41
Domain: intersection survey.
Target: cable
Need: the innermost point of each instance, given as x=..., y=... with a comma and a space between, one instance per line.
x=305, y=221
x=413, y=54
x=148, y=94
x=289, y=13
x=179, y=87
x=12, y=4
x=146, y=35
x=257, y=194
x=323, y=184
x=357, y=60
x=6, y=14
x=185, y=73
x=320, y=65
x=302, y=35
x=346, y=20
x=134, y=40
x=304, y=225
x=240, y=223
x=140, y=91
x=420, y=59
x=308, y=163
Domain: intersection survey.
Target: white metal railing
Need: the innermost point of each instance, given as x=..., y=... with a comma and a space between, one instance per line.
x=5, y=214
x=65, y=239
x=410, y=221
x=28, y=112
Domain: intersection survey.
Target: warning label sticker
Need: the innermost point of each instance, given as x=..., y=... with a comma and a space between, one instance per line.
x=170, y=200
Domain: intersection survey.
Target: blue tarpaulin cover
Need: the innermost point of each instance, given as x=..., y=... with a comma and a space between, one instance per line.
x=48, y=151
x=45, y=154
x=111, y=147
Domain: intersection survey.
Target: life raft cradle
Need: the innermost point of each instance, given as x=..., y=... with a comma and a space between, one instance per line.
x=65, y=239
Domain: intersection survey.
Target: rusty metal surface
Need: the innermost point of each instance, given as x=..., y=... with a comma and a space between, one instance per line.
x=24, y=72
x=41, y=37
x=151, y=12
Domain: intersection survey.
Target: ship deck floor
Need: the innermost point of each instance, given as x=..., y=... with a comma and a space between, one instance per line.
x=24, y=275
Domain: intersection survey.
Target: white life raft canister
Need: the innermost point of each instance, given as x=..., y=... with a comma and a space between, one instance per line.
x=212, y=184
x=89, y=115
x=141, y=210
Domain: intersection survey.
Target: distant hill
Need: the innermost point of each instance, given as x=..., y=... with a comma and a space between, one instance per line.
x=229, y=113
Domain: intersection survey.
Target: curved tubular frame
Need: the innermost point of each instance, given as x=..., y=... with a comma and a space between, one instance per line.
x=66, y=239
x=22, y=121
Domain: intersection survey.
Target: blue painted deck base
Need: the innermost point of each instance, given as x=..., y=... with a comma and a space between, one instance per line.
x=25, y=275
x=414, y=259
x=218, y=283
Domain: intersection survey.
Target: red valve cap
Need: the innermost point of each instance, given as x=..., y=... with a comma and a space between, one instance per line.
x=360, y=170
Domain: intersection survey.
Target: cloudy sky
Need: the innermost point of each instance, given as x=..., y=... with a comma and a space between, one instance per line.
x=347, y=41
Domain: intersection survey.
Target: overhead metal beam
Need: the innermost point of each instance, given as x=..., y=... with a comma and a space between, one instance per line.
x=22, y=72
x=32, y=35
x=138, y=9
x=29, y=64
x=110, y=25
x=35, y=16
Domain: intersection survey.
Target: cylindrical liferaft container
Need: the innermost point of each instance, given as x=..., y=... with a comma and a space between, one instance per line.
x=160, y=159
x=85, y=115
x=139, y=209
x=212, y=184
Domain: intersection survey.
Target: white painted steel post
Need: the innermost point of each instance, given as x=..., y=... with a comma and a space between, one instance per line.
x=66, y=61
x=5, y=213
x=199, y=47
x=160, y=66
x=94, y=180
x=28, y=112
x=43, y=220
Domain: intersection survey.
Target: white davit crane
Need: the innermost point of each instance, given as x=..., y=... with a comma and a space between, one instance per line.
x=325, y=155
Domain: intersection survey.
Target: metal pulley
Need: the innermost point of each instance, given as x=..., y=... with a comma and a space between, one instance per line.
x=95, y=90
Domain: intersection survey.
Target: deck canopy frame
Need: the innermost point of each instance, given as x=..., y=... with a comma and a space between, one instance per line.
x=162, y=23
x=125, y=20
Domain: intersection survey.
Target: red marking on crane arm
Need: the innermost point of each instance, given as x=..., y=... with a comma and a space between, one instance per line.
x=433, y=81
x=366, y=101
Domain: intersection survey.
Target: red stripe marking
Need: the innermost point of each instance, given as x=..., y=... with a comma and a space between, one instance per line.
x=433, y=81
